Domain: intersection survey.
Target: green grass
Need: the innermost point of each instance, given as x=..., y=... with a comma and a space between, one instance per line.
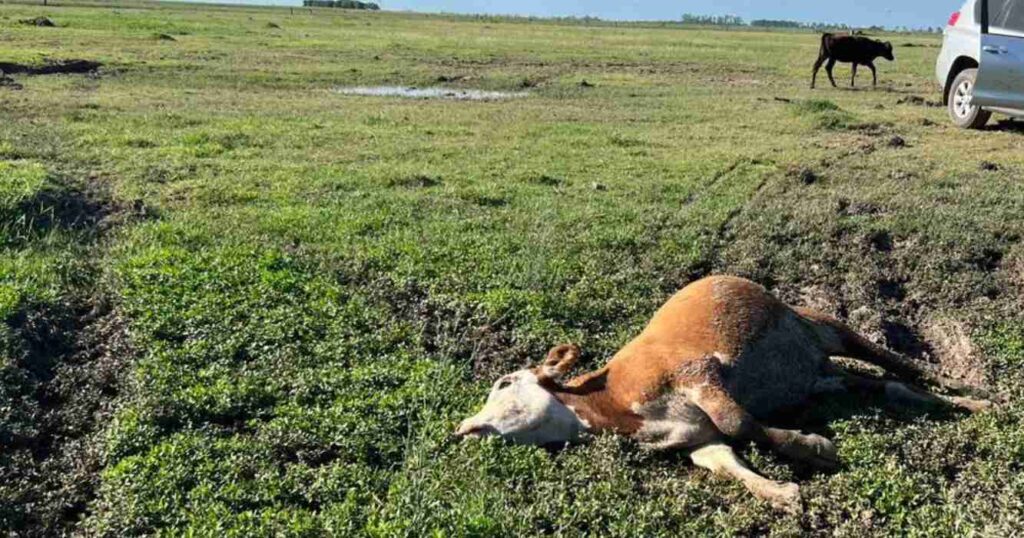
x=308, y=290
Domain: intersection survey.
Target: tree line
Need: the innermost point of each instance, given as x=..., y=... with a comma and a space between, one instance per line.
x=733, y=20
x=343, y=4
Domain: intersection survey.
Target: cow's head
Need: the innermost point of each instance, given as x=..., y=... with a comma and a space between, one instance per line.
x=521, y=407
x=887, y=51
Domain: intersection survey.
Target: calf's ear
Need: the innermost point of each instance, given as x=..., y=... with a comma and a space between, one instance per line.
x=559, y=361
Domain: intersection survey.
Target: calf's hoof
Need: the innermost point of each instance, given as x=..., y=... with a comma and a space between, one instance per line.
x=812, y=449
x=784, y=497
x=971, y=404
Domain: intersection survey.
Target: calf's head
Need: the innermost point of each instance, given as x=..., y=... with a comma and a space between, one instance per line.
x=522, y=409
x=886, y=51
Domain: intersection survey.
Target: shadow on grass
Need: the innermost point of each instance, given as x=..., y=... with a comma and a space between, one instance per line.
x=1007, y=126
x=66, y=206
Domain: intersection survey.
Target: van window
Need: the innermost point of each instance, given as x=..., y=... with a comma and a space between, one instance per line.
x=1005, y=15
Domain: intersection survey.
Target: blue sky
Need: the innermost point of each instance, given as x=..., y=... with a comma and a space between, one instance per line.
x=913, y=13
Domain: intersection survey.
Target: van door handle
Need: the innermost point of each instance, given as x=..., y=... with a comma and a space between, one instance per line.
x=994, y=50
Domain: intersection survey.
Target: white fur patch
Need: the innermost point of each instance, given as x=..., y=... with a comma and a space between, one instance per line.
x=583, y=421
x=520, y=410
x=673, y=421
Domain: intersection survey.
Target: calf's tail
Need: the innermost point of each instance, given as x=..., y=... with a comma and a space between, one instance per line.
x=824, y=52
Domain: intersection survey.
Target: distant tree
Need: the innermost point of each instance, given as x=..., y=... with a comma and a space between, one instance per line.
x=343, y=4
x=713, y=20
x=732, y=20
x=768, y=23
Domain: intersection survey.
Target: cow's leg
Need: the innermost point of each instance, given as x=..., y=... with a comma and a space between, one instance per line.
x=817, y=66
x=720, y=459
x=703, y=385
x=902, y=394
x=853, y=78
x=828, y=69
x=874, y=74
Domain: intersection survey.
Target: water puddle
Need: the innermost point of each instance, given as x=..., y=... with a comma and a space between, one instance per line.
x=431, y=93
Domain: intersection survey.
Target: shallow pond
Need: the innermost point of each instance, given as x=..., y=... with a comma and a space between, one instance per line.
x=430, y=93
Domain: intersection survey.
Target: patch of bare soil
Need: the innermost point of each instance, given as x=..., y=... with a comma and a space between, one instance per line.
x=419, y=181
x=64, y=379
x=62, y=368
x=9, y=83
x=806, y=176
x=951, y=344
x=1012, y=267
x=917, y=100
x=43, y=22
x=57, y=67
x=847, y=144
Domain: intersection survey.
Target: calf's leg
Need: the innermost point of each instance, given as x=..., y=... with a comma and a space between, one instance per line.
x=874, y=75
x=702, y=384
x=897, y=393
x=853, y=78
x=817, y=66
x=828, y=68
x=720, y=459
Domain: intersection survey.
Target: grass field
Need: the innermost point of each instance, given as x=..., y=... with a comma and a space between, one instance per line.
x=236, y=302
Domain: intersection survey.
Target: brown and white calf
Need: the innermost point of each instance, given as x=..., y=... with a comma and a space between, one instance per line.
x=717, y=358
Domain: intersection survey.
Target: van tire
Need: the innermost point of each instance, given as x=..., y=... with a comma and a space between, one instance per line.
x=965, y=116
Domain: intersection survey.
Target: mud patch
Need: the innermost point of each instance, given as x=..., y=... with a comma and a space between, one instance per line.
x=881, y=241
x=419, y=181
x=63, y=376
x=62, y=368
x=58, y=67
x=847, y=208
x=806, y=176
x=896, y=142
x=10, y=83
x=431, y=93
x=951, y=344
x=42, y=22
x=820, y=298
x=916, y=100
x=549, y=181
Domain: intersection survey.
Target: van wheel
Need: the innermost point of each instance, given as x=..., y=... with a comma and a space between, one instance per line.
x=961, y=111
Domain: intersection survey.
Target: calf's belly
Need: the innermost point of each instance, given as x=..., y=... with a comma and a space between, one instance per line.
x=779, y=371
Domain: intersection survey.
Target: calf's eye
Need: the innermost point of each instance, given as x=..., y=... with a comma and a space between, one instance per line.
x=504, y=383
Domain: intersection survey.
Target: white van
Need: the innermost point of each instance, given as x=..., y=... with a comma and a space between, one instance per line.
x=981, y=66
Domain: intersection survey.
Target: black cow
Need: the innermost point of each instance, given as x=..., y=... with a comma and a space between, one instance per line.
x=850, y=49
